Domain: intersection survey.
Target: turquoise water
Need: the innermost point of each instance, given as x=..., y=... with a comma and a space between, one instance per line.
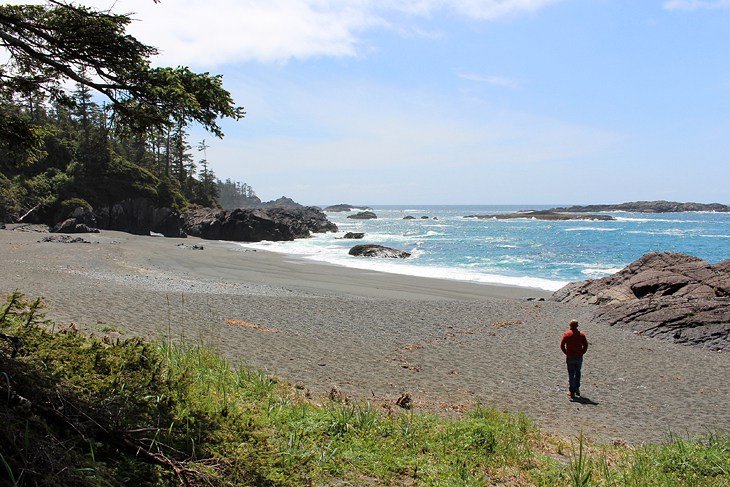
x=524, y=252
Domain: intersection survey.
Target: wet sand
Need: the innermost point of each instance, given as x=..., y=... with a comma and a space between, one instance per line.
x=374, y=335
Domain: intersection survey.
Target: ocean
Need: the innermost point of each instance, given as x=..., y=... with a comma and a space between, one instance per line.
x=522, y=252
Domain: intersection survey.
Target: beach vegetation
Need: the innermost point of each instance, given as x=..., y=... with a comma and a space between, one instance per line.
x=96, y=410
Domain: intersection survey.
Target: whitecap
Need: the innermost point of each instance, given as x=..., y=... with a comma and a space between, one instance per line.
x=601, y=272
x=590, y=229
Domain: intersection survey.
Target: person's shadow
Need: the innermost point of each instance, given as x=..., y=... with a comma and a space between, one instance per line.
x=584, y=400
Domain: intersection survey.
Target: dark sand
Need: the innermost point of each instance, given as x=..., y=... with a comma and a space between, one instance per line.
x=450, y=344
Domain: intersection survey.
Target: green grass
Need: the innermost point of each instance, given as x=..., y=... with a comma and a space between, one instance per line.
x=102, y=412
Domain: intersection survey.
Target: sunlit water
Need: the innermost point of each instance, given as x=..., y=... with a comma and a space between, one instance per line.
x=523, y=252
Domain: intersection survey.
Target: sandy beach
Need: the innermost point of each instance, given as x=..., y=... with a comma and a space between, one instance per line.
x=374, y=336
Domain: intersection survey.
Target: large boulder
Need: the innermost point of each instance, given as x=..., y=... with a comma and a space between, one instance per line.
x=378, y=251
x=254, y=225
x=363, y=215
x=666, y=295
x=70, y=225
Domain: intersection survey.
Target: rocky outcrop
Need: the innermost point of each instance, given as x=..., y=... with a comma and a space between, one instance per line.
x=542, y=215
x=255, y=202
x=345, y=207
x=649, y=207
x=409, y=217
x=137, y=216
x=282, y=202
x=666, y=295
x=70, y=225
x=64, y=239
x=254, y=225
x=363, y=215
x=353, y=235
x=378, y=251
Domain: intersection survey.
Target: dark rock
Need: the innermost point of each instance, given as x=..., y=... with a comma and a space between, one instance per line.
x=353, y=235
x=140, y=217
x=363, y=215
x=72, y=226
x=282, y=202
x=254, y=225
x=64, y=239
x=404, y=401
x=425, y=217
x=198, y=247
x=137, y=216
x=409, y=217
x=2, y=226
x=541, y=215
x=29, y=227
x=667, y=295
x=378, y=251
x=252, y=202
x=649, y=207
x=345, y=207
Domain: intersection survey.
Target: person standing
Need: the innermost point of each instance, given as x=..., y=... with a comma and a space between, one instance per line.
x=574, y=345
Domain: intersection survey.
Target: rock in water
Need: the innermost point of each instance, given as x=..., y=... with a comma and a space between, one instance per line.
x=378, y=251
x=409, y=217
x=541, y=215
x=666, y=295
x=254, y=225
x=363, y=215
x=345, y=207
x=353, y=235
x=650, y=207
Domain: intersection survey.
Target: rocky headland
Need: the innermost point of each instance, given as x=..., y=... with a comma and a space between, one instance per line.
x=254, y=225
x=648, y=207
x=541, y=215
x=138, y=216
x=251, y=202
x=666, y=295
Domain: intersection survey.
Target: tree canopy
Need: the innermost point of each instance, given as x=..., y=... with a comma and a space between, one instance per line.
x=61, y=148
x=56, y=42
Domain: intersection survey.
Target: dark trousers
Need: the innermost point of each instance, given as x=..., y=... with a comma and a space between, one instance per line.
x=574, y=366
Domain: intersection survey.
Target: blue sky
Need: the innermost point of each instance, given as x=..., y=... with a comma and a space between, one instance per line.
x=462, y=102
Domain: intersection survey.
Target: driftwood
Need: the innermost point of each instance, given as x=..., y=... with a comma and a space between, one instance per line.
x=29, y=212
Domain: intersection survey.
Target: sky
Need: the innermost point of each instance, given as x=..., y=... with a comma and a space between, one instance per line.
x=461, y=102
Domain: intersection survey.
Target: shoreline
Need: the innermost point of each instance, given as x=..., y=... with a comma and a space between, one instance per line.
x=543, y=286
x=372, y=335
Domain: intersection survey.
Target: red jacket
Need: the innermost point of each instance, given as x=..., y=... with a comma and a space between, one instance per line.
x=574, y=343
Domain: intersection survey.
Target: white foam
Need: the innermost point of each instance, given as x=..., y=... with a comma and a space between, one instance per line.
x=649, y=220
x=590, y=229
x=601, y=272
x=338, y=256
x=674, y=232
x=715, y=236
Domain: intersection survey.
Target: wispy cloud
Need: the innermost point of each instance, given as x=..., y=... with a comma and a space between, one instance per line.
x=491, y=79
x=696, y=4
x=217, y=32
